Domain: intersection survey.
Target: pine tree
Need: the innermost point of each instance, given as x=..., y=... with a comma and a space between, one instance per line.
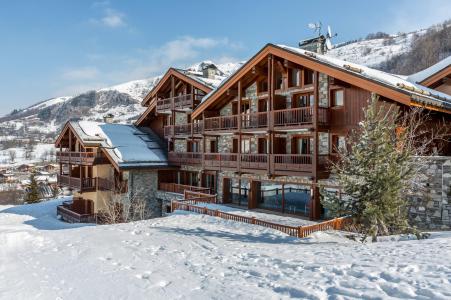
x=33, y=190
x=374, y=171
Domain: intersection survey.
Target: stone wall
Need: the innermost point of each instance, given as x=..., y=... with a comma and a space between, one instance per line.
x=180, y=146
x=144, y=184
x=323, y=90
x=431, y=207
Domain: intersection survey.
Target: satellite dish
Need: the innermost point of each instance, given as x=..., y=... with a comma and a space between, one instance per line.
x=329, y=36
x=312, y=25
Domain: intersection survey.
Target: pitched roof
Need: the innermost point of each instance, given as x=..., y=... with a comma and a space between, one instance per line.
x=127, y=146
x=393, y=86
x=443, y=66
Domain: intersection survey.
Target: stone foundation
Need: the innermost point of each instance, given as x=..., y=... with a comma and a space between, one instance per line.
x=431, y=207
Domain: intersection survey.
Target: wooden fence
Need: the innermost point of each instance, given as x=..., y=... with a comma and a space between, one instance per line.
x=188, y=204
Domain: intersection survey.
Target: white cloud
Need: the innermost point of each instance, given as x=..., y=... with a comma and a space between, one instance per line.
x=143, y=63
x=83, y=73
x=113, y=18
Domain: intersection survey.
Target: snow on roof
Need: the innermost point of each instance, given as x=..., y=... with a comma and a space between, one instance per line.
x=420, y=92
x=198, y=76
x=392, y=80
x=426, y=73
x=128, y=145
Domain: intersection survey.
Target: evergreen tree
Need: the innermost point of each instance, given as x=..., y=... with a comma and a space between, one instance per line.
x=375, y=172
x=33, y=190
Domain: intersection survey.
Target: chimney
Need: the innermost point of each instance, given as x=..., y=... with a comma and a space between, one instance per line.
x=108, y=118
x=209, y=71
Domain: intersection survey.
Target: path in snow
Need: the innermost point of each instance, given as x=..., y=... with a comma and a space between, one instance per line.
x=200, y=257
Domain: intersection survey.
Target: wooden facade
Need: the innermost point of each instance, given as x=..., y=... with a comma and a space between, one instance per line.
x=279, y=119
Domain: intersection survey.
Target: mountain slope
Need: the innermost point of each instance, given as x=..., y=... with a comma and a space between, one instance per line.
x=41, y=121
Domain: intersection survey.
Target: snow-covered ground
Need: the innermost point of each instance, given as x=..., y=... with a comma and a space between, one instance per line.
x=40, y=152
x=189, y=256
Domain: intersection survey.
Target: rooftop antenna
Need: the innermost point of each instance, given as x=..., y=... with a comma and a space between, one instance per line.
x=321, y=43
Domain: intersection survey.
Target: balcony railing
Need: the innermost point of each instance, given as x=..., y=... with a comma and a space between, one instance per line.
x=292, y=162
x=187, y=101
x=293, y=116
x=77, y=211
x=181, y=188
x=221, y=160
x=254, y=120
x=190, y=158
x=79, y=158
x=221, y=123
x=87, y=184
x=254, y=161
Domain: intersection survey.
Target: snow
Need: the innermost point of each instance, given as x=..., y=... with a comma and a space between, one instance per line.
x=376, y=75
x=426, y=73
x=37, y=155
x=190, y=256
x=137, y=89
x=127, y=143
x=49, y=102
x=373, y=52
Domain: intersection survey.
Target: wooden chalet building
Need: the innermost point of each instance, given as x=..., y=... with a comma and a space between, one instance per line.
x=264, y=136
x=261, y=138
x=101, y=162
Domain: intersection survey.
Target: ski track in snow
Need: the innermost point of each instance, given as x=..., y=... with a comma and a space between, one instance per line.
x=189, y=256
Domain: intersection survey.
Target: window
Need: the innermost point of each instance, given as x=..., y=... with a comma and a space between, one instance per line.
x=295, y=77
x=300, y=145
x=245, y=146
x=337, y=98
x=308, y=77
x=262, y=146
x=193, y=146
x=338, y=143
x=213, y=147
x=303, y=100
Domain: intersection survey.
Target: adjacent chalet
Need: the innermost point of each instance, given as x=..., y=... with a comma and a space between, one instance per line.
x=261, y=138
x=102, y=162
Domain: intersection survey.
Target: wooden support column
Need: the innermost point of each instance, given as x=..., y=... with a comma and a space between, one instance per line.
x=239, y=128
x=172, y=99
x=315, y=210
x=271, y=96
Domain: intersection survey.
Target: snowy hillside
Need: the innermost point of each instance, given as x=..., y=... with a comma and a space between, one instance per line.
x=373, y=52
x=189, y=256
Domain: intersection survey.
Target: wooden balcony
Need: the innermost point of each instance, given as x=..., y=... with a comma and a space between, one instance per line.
x=254, y=161
x=83, y=185
x=301, y=116
x=254, y=120
x=88, y=184
x=188, y=158
x=181, y=188
x=221, y=161
x=182, y=102
x=77, y=211
x=79, y=158
x=223, y=123
x=292, y=162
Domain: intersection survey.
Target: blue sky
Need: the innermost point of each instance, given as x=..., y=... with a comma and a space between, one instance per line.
x=54, y=48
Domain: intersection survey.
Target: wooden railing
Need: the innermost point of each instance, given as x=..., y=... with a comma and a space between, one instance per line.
x=221, y=160
x=254, y=120
x=221, y=123
x=254, y=161
x=191, y=158
x=292, y=162
x=189, y=101
x=198, y=127
x=85, y=158
x=66, y=212
x=181, y=188
x=86, y=184
x=296, y=231
x=293, y=116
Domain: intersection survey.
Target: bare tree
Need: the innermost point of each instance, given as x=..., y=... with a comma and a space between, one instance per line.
x=29, y=150
x=121, y=207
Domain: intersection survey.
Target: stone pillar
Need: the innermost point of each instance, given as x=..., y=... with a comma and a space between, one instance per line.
x=143, y=184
